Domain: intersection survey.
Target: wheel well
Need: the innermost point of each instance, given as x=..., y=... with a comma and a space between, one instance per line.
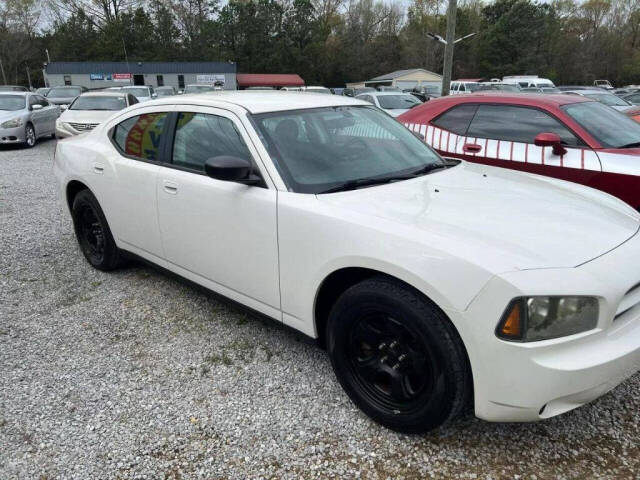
x=339, y=281
x=332, y=287
x=73, y=188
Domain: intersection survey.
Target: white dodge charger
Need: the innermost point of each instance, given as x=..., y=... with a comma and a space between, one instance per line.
x=434, y=285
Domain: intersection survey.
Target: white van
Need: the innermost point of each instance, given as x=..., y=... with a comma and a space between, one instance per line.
x=528, y=81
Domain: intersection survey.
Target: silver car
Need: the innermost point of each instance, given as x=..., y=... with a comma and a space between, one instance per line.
x=603, y=96
x=25, y=117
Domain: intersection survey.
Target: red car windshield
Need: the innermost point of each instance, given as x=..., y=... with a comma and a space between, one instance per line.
x=608, y=126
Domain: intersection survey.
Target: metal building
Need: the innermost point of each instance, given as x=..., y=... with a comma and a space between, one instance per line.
x=156, y=74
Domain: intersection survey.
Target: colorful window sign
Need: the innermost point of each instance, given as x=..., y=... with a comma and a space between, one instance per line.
x=96, y=76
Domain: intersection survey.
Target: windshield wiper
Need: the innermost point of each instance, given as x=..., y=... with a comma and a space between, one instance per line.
x=631, y=145
x=367, y=182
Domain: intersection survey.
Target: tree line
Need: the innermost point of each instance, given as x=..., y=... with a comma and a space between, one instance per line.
x=329, y=42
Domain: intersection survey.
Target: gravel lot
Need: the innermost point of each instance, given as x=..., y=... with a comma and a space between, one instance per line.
x=136, y=374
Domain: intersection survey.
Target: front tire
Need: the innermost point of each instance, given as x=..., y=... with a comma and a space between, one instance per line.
x=398, y=356
x=93, y=233
x=29, y=136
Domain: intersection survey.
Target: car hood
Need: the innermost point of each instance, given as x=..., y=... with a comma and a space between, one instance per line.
x=8, y=115
x=501, y=219
x=395, y=112
x=86, y=116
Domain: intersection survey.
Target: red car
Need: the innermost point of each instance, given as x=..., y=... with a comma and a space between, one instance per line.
x=563, y=136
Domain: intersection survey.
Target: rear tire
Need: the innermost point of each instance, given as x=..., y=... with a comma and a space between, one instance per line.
x=398, y=356
x=93, y=232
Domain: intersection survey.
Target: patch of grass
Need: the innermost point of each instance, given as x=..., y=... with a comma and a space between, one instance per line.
x=96, y=284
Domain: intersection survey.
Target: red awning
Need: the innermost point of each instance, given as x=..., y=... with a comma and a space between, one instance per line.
x=269, y=80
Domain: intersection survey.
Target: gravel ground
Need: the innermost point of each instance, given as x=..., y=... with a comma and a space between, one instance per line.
x=135, y=374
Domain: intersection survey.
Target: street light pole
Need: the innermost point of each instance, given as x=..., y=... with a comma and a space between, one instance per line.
x=448, y=48
x=450, y=36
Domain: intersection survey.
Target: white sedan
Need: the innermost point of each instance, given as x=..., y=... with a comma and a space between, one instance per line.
x=394, y=103
x=434, y=285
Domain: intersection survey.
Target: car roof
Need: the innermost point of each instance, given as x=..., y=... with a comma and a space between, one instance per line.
x=384, y=94
x=588, y=90
x=260, y=101
x=531, y=99
x=15, y=92
x=113, y=93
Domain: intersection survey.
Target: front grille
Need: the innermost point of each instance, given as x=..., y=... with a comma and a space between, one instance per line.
x=629, y=301
x=83, y=127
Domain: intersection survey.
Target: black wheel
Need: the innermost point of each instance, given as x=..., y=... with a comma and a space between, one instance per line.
x=93, y=233
x=29, y=135
x=398, y=356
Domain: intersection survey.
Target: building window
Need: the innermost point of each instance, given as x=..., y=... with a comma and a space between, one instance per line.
x=160, y=80
x=181, y=82
x=67, y=79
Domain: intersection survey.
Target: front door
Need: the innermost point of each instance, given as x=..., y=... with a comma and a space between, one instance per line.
x=503, y=136
x=138, y=79
x=217, y=233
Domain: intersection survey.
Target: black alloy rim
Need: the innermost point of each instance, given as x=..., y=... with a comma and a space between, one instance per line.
x=391, y=364
x=92, y=233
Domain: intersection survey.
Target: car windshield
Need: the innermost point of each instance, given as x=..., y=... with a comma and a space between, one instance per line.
x=198, y=88
x=12, y=102
x=138, y=92
x=358, y=91
x=608, y=99
x=323, y=149
x=608, y=126
x=98, y=103
x=10, y=88
x=165, y=92
x=473, y=87
x=63, y=92
x=397, y=102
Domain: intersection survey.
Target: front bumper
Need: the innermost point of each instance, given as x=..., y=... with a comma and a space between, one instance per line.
x=532, y=381
x=12, y=135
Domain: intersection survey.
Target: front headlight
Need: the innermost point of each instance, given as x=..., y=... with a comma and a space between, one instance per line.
x=530, y=319
x=13, y=123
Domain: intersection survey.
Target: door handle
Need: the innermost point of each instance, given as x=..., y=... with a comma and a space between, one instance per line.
x=97, y=168
x=170, y=187
x=471, y=147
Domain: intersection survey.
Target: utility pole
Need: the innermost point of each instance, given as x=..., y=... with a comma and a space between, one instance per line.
x=28, y=76
x=450, y=36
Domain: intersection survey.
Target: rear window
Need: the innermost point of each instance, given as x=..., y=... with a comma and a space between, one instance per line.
x=140, y=136
x=457, y=119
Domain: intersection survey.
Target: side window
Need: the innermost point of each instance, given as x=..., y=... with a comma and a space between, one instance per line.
x=140, y=136
x=200, y=136
x=32, y=101
x=41, y=100
x=132, y=100
x=457, y=119
x=518, y=124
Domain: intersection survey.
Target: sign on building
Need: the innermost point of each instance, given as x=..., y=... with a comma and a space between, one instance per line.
x=122, y=77
x=212, y=79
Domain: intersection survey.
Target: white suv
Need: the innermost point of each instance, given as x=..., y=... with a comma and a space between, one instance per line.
x=432, y=283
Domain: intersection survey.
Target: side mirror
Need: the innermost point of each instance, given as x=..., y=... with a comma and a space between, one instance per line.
x=154, y=95
x=36, y=106
x=550, y=140
x=231, y=169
